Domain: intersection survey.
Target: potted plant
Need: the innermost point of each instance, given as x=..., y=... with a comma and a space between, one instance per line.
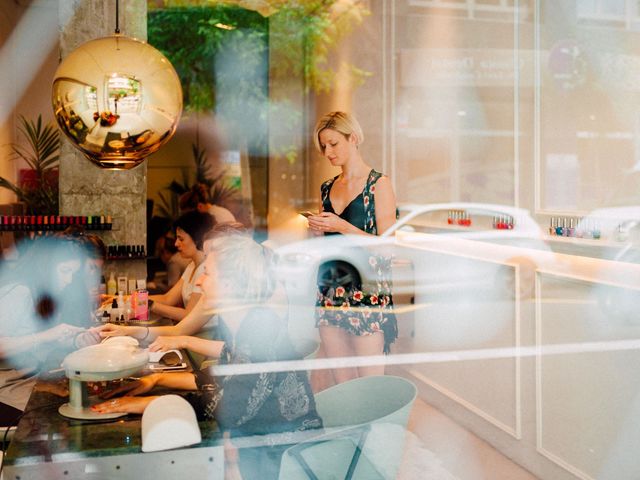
x=37, y=186
x=220, y=191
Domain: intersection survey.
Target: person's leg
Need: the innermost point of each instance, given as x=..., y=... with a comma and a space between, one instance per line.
x=336, y=343
x=366, y=345
x=321, y=379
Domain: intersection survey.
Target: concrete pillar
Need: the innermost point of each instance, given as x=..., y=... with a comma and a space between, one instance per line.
x=86, y=189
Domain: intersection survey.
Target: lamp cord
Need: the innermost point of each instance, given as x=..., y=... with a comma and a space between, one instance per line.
x=117, y=17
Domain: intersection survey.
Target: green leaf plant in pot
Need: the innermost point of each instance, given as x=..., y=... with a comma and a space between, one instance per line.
x=37, y=187
x=221, y=191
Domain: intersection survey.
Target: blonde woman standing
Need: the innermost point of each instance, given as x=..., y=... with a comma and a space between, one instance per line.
x=359, y=201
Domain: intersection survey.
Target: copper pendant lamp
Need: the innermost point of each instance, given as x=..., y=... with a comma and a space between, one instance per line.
x=117, y=99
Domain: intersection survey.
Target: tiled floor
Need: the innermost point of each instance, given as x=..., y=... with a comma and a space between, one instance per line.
x=458, y=451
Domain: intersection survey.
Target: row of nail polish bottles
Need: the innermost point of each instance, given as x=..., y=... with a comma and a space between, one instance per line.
x=37, y=223
x=459, y=217
x=503, y=222
x=574, y=228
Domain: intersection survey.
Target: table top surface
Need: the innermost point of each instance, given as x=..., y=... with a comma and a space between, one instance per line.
x=43, y=435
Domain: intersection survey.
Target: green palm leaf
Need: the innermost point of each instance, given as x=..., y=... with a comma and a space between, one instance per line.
x=41, y=153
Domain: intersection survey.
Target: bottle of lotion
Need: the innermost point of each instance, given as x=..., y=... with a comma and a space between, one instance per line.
x=111, y=285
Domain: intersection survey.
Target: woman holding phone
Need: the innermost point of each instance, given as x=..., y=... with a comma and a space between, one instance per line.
x=358, y=201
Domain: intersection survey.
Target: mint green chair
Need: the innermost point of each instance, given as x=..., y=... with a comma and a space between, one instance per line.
x=307, y=348
x=364, y=428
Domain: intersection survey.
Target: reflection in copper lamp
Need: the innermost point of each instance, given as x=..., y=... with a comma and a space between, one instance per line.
x=117, y=99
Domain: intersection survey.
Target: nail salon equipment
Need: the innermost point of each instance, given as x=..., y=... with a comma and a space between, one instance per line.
x=110, y=360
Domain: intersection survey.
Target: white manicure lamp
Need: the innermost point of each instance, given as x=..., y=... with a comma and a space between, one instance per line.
x=107, y=361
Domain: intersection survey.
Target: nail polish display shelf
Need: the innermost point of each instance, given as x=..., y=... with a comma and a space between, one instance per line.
x=52, y=223
x=596, y=242
x=126, y=252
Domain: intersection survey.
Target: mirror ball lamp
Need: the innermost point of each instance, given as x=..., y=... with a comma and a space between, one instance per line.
x=117, y=99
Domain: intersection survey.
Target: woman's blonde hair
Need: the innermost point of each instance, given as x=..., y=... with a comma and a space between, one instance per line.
x=247, y=265
x=341, y=122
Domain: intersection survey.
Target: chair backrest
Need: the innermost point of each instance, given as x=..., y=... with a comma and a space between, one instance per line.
x=376, y=399
x=365, y=420
x=307, y=348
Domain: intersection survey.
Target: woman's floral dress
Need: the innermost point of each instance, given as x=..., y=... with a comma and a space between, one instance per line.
x=356, y=311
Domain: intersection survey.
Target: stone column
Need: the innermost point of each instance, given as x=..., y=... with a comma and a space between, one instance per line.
x=86, y=189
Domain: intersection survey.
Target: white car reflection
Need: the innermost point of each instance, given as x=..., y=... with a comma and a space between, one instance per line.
x=344, y=259
x=618, y=232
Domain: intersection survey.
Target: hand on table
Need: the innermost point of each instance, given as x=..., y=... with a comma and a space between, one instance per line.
x=165, y=343
x=111, y=330
x=137, y=387
x=123, y=405
x=61, y=333
x=87, y=338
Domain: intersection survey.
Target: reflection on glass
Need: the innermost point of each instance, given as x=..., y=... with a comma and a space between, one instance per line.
x=123, y=94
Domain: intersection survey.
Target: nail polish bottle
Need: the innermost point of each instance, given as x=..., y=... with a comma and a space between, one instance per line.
x=579, y=227
x=449, y=217
x=595, y=233
x=572, y=230
x=559, y=231
x=114, y=311
x=552, y=228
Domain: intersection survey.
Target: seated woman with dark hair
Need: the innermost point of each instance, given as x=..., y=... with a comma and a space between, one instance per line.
x=190, y=230
x=238, y=278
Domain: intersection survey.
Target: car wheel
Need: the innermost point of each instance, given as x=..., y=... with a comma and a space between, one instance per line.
x=338, y=274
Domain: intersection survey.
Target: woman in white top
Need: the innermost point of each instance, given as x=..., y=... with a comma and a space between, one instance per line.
x=183, y=296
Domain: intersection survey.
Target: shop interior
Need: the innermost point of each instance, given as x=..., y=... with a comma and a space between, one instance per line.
x=510, y=138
